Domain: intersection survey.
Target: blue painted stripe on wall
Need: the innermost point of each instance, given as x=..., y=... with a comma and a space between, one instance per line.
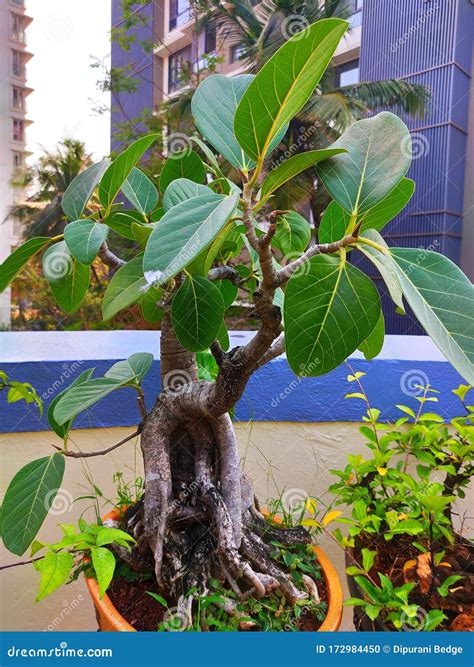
x=274, y=393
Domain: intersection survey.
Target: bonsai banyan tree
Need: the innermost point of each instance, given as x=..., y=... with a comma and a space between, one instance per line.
x=310, y=300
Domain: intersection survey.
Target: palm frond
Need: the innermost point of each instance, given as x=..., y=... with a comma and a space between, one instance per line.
x=411, y=98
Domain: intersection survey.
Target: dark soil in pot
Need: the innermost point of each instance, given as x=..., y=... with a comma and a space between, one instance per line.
x=390, y=560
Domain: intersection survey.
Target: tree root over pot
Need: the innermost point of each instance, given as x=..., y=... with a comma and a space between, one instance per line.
x=191, y=525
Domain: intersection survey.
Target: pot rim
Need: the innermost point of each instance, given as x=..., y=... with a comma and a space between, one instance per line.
x=331, y=623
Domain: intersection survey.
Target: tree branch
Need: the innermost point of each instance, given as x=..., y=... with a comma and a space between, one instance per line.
x=109, y=258
x=287, y=271
x=225, y=272
x=274, y=351
x=85, y=455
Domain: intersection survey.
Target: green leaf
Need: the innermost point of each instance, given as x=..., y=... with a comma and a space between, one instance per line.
x=61, y=430
x=378, y=156
x=385, y=266
x=80, y=189
x=84, y=239
x=27, y=500
x=127, y=286
x=372, y=345
x=15, y=262
x=133, y=368
x=182, y=189
x=140, y=191
x=368, y=559
x=291, y=167
x=333, y=224
x=151, y=312
x=108, y=535
x=408, y=526
x=197, y=312
x=117, y=173
x=433, y=618
x=293, y=233
x=121, y=222
x=378, y=216
x=68, y=278
x=372, y=611
x=70, y=291
x=284, y=84
x=182, y=164
x=213, y=107
x=103, y=562
x=442, y=298
x=183, y=232
x=82, y=396
x=55, y=569
x=330, y=308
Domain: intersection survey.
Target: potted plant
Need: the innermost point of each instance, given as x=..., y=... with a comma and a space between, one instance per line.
x=408, y=566
x=200, y=239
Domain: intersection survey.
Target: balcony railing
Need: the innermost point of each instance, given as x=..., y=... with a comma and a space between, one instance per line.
x=180, y=19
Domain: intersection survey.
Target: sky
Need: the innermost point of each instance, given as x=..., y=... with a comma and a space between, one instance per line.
x=62, y=37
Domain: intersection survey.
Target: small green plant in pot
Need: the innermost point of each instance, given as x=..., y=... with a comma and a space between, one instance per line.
x=408, y=566
x=201, y=238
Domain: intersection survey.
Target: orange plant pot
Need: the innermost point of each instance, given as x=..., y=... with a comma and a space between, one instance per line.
x=110, y=620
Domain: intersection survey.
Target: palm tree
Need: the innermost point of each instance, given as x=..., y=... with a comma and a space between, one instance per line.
x=41, y=213
x=260, y=31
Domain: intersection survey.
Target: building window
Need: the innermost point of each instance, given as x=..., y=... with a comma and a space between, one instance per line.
x=17, y=159
x=347, y=74
x=236, y=53
x=210, y=38
x=18, y=64
x=18, y=98
x=17, y=28
x=176, y=64
x=20, y=3
x=180, y=13
x=18, y=130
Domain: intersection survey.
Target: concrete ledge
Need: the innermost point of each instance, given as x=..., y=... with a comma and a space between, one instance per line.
x=51, y=360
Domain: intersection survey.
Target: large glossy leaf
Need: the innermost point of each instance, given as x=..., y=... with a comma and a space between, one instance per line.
x=378, y=156
x=27, y=500
x=70, y=290
x=126, y=287
x=183, y=233
x=213, y=107
x=121, y=222
x=442, y=298
x=82, y=396
x=81, y=188
x=117, y=173
x=140, y=191
x=103, y=562
x=384, y=264
x=378, y=216
x=68, y=278
x=134, y=368
x=197, y=312
x=15, y=262
x=333, y=224
x=84, y=239
x=330, y=308
x=55, y=569
x=182, y=189
x=291, y=167
x=62, y=430
x=284, y=84
x=293, y=233
x=151, y=311
x=372, y=345
x=182, y=164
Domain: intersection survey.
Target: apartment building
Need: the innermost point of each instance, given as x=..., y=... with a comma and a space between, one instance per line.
x=13, y=123
x=425, y=41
